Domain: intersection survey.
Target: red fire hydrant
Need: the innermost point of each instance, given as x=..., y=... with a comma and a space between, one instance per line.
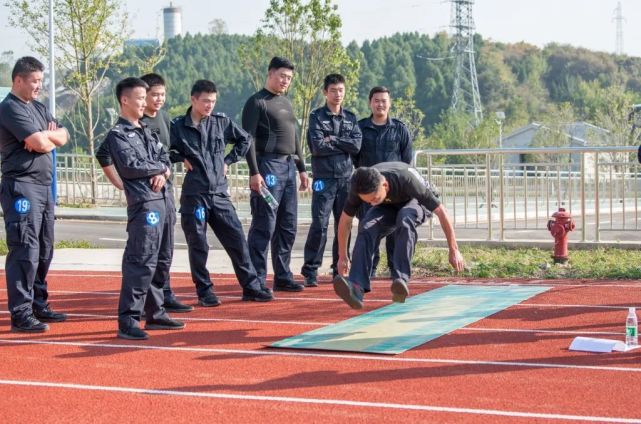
x=560, y=225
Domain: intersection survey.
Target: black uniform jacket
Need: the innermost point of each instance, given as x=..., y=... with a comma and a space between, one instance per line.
x=203, y=145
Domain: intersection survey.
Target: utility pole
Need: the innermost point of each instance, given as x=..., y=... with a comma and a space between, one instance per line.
x=618, y=18
x=465, y=95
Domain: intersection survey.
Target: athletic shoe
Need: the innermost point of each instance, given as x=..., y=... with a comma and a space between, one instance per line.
x=399, y=290
x=351, y=293
x=133, y=333
x=289, y=287
x=29, y=325
x=209, y=300
x=48, y=315
x=311, y=281
x=251, y=295
x=174, y=305
x=164, y=324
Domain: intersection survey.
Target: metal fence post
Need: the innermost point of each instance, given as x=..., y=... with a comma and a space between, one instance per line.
x=430, y=229
x=502, y=198
x=597, y=212
x=488, y=195
x=583, y=220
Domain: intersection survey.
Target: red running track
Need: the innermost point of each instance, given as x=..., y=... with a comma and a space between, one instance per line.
x=513, y=366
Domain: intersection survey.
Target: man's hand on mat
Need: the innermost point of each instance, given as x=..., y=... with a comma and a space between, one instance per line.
x=456, y=260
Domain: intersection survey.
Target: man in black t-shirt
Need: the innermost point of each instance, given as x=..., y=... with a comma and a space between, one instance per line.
x=385, y=139
x=274, y=158
x=400, y=199
x=28, y=134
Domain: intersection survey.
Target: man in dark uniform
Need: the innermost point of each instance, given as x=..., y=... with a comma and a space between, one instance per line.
x=333, y=136
x=28, y=134
x=273, y=160
x=198, y=140
x=400, y=199
x=157, y=121
x=144, y=168
x=385, y=139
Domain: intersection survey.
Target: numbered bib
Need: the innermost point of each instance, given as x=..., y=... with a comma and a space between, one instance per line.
x=153, y=218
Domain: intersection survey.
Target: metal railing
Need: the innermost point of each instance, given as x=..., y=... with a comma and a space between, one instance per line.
x=494, y=192
x=73, y=172
x=501, y=190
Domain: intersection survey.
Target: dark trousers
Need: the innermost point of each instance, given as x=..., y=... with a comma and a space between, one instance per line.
x=329, y=196
x=217, y=211
x=389, y=242
x=166, y=254
x=275, y=226
x=28, y=218
x=147, y=227
x=381, y=221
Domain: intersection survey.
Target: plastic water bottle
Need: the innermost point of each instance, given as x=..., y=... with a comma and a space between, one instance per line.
x=269, y=198
x=631, y=328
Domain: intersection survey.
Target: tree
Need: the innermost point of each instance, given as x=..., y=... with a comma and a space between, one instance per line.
x=405, y=109
x=217, y=26
x=308, y=34
x=6, y=65
x=89, y=36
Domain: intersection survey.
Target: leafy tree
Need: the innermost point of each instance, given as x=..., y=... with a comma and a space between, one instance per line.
x=218, y=26
x=88, y=39
x=308, y=34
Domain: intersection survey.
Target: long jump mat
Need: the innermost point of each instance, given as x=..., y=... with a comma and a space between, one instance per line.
x=395, y=328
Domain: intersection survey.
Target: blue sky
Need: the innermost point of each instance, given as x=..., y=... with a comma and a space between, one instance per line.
x=585, y=23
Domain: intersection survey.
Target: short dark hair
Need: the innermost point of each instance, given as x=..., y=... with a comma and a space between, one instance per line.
x=378, y=89
x=366, y=180
x=278, y=62
x=128, y=84
x=153, y=80
x=26, y=65
x=333, y=79
x=203, y=86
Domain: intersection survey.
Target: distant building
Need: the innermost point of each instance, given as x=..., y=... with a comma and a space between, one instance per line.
x=173, y=21
x=3, y=92
x=578, y=134
x=142, y=42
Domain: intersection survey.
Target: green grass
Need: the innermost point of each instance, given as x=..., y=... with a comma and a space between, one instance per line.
x=62, y=244
x=487, y=262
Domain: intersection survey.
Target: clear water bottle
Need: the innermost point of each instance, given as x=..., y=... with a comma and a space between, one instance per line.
x=631, y=328
x=269, y=198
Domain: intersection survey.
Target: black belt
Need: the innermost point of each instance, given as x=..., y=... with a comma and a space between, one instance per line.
x=275, y=155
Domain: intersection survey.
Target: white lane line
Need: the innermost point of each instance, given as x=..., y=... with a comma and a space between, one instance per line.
x=287, y=353
x=522, y=283
x=97, y=274
x=317, y=401
x=317, y=323
x=542, y=331
x=335, y=299
x=571, y=305
x=112, y=239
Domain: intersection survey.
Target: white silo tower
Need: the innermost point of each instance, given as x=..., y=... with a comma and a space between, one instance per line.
x=173, y=21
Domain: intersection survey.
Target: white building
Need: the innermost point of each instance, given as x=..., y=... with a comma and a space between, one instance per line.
x=173, y=21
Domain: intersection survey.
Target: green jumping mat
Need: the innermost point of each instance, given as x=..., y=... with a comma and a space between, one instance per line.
x=395, y=328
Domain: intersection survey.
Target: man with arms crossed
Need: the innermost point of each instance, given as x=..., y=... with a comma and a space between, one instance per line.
x=28, y=134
